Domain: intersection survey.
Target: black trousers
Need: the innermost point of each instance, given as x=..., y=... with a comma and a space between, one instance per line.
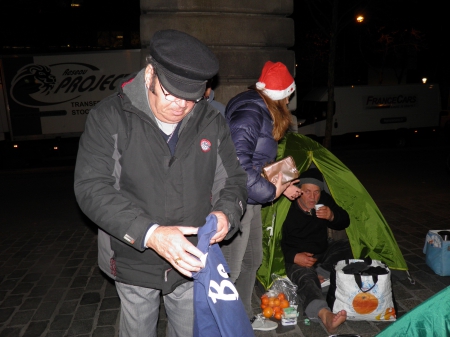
x=309, y=290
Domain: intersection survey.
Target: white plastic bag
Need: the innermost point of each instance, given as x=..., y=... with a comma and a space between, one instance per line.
x=365, y=296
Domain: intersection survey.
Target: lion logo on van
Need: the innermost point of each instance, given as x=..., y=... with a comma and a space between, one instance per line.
x=39, y=75
x=29, y=80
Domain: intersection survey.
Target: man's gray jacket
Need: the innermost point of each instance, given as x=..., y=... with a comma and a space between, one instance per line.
x=127, y=179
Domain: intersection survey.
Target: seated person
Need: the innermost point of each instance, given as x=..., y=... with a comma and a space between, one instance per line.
x=309, y=256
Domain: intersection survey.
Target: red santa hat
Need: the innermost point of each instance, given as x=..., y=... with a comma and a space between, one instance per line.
x=276, y=81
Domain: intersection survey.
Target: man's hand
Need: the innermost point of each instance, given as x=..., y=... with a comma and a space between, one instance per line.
x=305, y=259
x=325, y=212
x=170, y=243
x=222, y=227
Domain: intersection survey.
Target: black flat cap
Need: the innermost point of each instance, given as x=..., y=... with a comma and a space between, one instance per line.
x=182, y=62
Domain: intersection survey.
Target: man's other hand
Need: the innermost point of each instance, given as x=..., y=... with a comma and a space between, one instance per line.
x=305, y=259
x=222, y=227
x=325, y=212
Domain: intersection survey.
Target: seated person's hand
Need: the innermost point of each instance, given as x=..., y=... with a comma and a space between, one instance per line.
x=325, y=212
x=305, y=259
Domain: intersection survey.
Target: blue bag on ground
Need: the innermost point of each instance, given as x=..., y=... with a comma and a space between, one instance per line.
x=437, y=251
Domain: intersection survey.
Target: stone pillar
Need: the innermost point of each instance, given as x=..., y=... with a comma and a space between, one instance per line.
x=243, y=34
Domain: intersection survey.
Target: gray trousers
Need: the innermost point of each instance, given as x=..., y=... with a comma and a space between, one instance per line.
x=243, y=253
x=309, y=290
x=139, y=310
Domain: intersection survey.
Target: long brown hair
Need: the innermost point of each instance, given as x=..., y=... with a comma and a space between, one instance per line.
x=280, y=113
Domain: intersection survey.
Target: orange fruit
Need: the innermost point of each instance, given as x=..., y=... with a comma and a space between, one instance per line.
x=364, y=303
x=277, y=315
x=268, y=312
x=284, y=304
x=271, y=302
x=265, y=300
x=276, y=302
x=277, y=309
x=281, y=296
x=263, y=305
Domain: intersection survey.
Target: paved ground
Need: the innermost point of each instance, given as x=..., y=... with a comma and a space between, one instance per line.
x=50, y=284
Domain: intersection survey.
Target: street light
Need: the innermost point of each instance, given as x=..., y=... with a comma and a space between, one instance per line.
x=359, y=18
x=424, y=80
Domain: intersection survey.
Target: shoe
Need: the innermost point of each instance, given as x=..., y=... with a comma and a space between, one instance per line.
x=325, y=283
x=259, y=322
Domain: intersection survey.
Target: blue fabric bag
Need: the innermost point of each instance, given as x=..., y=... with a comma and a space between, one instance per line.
x=218, y=310
x=437, y=252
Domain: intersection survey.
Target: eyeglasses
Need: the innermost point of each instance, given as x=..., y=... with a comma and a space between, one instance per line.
x=172, y=98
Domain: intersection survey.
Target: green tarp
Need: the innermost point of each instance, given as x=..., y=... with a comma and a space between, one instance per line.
x=368, y=233
x=429, y=319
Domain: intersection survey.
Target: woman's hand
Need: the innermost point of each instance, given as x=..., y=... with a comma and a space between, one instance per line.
x=292, y=192
x=280, y=186
x=288, y=189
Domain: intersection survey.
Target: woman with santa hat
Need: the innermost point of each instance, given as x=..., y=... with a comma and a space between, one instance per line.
x=258, y=119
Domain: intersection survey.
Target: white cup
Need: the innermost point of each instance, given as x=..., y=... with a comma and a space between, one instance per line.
x=318, y=206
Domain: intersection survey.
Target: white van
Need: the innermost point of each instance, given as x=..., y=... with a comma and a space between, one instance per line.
x=363, y=109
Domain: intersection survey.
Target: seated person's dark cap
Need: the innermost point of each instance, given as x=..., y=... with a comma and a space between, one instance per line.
x=311, y=176
x=182, y=62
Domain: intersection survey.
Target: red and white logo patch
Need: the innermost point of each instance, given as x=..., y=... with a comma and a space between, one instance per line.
x=205, y=144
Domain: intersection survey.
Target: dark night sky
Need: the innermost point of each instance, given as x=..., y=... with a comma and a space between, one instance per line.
x=27, y=20
x=426, y=17
x=44, y=23
x=54, y=22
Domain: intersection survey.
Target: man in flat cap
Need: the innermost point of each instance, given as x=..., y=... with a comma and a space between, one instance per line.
x=309, y=256
x=153, y=162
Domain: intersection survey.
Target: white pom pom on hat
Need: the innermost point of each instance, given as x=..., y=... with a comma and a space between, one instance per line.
x=276, y=81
